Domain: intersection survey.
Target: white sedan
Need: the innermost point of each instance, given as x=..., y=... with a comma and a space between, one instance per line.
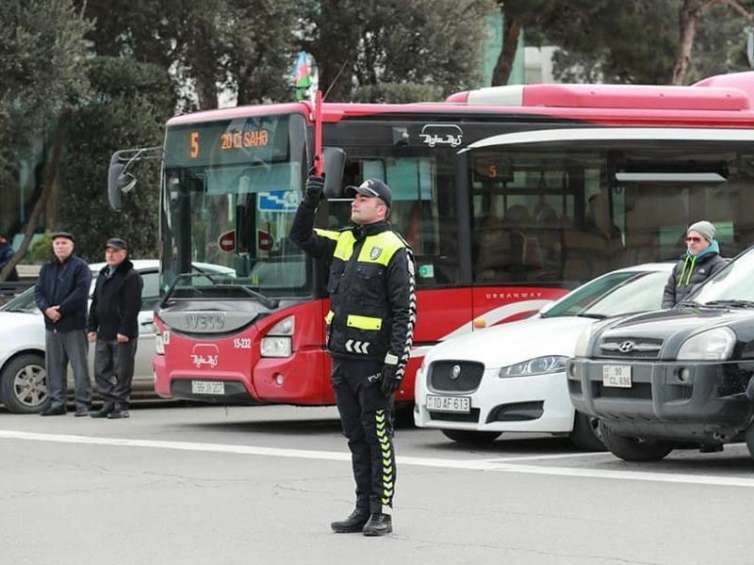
x=23, y=379
x=511, y=378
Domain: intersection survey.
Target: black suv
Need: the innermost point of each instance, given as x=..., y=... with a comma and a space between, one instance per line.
x=673, y=378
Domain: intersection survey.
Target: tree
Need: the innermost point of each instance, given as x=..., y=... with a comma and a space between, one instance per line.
x=42, y=52
x=362, y=48
x=518, y=15
x=214, y=46
x=688, y=19
x=126, y=108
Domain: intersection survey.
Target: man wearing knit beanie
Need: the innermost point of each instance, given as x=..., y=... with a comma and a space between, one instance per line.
x=701, y=261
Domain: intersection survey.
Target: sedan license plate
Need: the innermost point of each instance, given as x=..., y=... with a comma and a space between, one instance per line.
x=460, y=404
x=208, y=387
x=616, y=376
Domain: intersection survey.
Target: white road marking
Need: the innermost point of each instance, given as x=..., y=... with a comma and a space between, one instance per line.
x=551, y=456
x=500, y=465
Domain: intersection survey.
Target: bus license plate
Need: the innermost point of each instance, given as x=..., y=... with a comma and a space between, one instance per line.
x=616, y=376
x=208, y=387
x=449, y=403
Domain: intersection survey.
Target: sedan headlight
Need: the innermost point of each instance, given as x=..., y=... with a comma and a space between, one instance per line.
x=538, y=366
x=711, y=345
x=582, y=344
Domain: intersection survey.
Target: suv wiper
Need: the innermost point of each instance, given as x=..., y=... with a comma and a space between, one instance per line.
x=595, y=316
x=731, y=303
x=266, y=301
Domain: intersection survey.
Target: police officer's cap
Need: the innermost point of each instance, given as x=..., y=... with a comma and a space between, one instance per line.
x=372, y=187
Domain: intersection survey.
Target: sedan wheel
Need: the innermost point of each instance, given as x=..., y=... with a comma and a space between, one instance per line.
x=23, y=384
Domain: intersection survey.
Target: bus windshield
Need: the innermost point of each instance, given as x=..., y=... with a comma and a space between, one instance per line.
x=229, y=194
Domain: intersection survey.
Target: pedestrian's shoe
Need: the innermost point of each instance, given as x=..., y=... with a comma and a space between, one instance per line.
x=81, y=411
x=353, y=524
x=53, y=411
x=103, y=412
x=378, y=525
x=118, y=414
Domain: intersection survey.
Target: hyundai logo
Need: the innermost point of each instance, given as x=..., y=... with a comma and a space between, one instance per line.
x=455, y=372
x=626, y=347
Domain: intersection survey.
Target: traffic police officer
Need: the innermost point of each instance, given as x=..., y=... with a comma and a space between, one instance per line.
x=370, y=329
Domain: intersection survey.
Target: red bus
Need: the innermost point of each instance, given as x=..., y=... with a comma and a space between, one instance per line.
x=509, y=197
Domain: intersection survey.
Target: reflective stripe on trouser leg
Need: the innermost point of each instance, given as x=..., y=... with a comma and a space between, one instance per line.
x=383, y=430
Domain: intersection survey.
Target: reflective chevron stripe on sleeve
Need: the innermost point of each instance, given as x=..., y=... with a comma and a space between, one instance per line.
x=411, y=316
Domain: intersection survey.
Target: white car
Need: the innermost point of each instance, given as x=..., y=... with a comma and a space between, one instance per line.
x=23, y=379
x=511, y=378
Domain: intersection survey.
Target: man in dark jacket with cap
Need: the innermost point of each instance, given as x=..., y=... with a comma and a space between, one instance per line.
x=370, y=331
x=701, y=261
x=61, y=293
x=114, y=325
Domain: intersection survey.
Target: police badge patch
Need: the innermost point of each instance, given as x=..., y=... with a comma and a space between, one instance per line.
x=374, y=253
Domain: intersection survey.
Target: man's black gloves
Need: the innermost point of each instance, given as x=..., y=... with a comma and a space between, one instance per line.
x=315, y=187
x=390, y=380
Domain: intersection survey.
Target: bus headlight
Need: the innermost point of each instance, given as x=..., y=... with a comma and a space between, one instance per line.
x=711, y=345
x=537, y=366
x=279, y=340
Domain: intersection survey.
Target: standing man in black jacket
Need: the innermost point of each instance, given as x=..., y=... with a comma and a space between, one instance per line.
x=114, y=325
x=370, y=330
x=61, y=293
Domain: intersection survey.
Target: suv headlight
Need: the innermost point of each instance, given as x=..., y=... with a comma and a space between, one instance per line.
x=279, y=340
x=711, y=345
x=537, y=366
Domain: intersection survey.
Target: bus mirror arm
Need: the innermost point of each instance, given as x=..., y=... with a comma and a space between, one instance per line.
x=119, y=180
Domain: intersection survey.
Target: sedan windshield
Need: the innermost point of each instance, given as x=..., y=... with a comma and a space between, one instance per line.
x=615, y=294
x=24, y=302
x=732, y=286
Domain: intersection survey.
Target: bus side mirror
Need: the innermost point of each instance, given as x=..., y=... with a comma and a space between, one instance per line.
x=118, y=182
x=335, y=162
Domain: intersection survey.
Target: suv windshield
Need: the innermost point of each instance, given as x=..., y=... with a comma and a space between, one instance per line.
x=615, y=294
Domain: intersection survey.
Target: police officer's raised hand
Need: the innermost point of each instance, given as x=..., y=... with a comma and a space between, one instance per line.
x=390, y=381
x=315, y=187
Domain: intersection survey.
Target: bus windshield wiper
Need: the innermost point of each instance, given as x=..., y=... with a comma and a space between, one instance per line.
x=266, y=301
x=731, y=303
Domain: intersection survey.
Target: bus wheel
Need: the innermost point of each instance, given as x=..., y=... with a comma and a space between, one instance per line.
x=632, y=448
x=586, y=433
x=23, y=384
x=466, y=437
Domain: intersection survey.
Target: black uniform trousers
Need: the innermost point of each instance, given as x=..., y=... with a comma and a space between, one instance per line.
x=114, y=371
x=367, y=421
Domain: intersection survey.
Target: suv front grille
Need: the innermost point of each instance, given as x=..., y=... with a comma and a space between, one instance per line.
x=455, y=376
x=631, y=347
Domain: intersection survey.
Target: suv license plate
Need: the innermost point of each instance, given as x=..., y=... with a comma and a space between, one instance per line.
x=449, y=403
x=208, y=387
x=616, y=376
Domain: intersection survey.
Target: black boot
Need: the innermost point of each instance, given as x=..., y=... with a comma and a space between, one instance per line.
x=378, y=525
x=354, y=523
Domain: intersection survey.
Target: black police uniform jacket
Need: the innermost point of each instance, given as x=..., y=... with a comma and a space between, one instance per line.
x=116, y=303
x=371, y=286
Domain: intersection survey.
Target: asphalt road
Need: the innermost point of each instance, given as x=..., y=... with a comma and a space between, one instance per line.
x=206, y=485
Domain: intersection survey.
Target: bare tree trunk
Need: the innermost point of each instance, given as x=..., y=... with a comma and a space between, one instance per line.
x=688, y=18
x=504, y=65
x=50, y=176
x=691, y=11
